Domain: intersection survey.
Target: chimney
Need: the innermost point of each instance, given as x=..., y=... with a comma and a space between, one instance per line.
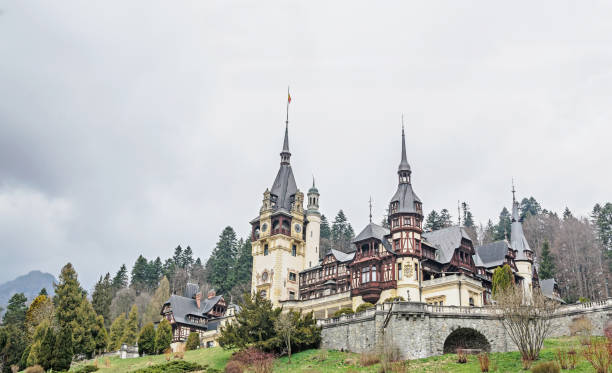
x=198, y=299
x=211, y=294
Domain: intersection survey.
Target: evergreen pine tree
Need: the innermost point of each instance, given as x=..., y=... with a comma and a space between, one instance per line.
x=82, y=329
x=120, y=280
x=146, y=340
x=468, y=218
x=37, y=340
x=220, y=264
x=130, y=333
x=547, y=264
x=102, y=297
x=139, y=280
x=446, y=219
x=503, y=227
x=155, y=273
x=567, y=214
x=342, y=232
x=68, y=296
x=177, y=259
x=116, y=332
x=432, y=222
x=16, y=311
x=244, y=264
x=163, y=336
x=47, y=347
x=529, y=207
x=43, y=291
x=62, y=352
x=187, y=258
x=325, y=229
x=100, y=335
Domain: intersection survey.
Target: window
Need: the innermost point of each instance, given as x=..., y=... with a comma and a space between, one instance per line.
x=396, y=243
x=265, y=249
x=416, y=271
x=406, y=220
x=373, y=273
x=263, y=293
x=292, y=276
x=264, y=277
x=365, y=275
x=471, y=302
x=293, y=250
x=292, y=295
x=399, y=271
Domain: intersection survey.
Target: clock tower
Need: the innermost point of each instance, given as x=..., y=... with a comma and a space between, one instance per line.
x=278, y=236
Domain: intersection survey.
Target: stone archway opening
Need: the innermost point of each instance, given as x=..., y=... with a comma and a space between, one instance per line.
x=465, y=338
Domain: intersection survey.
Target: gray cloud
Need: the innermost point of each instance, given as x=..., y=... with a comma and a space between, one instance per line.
x=131, y=128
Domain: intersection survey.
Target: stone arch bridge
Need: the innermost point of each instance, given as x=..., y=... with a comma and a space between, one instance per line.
x=420, y=330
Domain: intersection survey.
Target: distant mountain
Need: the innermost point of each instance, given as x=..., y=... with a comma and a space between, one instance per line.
x=29, y=284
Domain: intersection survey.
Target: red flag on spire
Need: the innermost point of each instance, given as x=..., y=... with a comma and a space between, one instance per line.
x=288, y=97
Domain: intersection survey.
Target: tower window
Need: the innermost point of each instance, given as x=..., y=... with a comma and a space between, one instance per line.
x=265, y=249
x=292, y=295
x=416, y=271
x=293, y=250
x=399, y=271
x=292, y=276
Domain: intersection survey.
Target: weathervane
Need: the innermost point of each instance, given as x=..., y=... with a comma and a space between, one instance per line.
x=513, y=191
x=370, y=209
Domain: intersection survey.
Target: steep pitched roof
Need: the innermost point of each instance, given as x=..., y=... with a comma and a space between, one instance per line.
x=342, y=256
x=183, y=306
x=517, y=239
x=372, y=231
x=446, y=240
x=492, y=254
x=548, y=289
x=406, y=198
x=284, y=187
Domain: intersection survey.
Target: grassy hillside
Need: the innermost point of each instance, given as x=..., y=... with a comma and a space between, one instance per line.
x=334, y=361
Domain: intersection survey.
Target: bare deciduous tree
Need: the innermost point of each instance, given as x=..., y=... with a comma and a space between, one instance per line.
x=527, y=320
x=285, y=327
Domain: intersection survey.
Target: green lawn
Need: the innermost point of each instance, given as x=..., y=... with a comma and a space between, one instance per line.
x=334, y=361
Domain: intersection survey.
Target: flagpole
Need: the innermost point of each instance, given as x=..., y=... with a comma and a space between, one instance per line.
x=287, y=121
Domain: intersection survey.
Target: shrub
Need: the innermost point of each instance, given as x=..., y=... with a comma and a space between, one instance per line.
x=251, y=355
x=146, y=340
x=483, y=360
x=264, y=366
x=367, y=359
x=234, y=367
x=193, y=341
x=163, y=336
x=179, y=355
x=35, y=369
x=394, y=299
x=364, y=306
x=175, y=366
x=567, y=359
x=344, y=311
x=547, y=367
x=598, y=354
x=86, y=369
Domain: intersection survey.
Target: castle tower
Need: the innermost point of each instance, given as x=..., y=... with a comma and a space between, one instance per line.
x=313, y=227
x=278, y=242
x=524, y=255
x=405, y=221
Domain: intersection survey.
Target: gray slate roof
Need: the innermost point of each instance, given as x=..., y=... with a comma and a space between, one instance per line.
x=548, y=287
x=406, y=198
x=446, y=240
x=183, y=306
x=404, y=166
x=372, y=231
x=284, y=187
x=492, y=254
x=517, y=237
x=341, y=256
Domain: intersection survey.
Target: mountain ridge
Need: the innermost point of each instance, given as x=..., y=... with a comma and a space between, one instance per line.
x=30, y=284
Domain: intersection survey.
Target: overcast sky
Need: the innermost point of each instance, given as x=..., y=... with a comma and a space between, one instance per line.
x=130, y=127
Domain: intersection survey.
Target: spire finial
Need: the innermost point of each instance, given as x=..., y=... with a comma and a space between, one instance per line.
x=370, y=209
x=513, y=191
x=404, y=166
x=313, y=181
x=285, y=154
x=459, y=211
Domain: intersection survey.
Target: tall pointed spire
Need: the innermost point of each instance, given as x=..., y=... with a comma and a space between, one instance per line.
x=286, y=154
x=404, y=166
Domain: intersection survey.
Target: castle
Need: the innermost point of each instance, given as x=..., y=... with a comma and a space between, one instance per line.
x=442, y=267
